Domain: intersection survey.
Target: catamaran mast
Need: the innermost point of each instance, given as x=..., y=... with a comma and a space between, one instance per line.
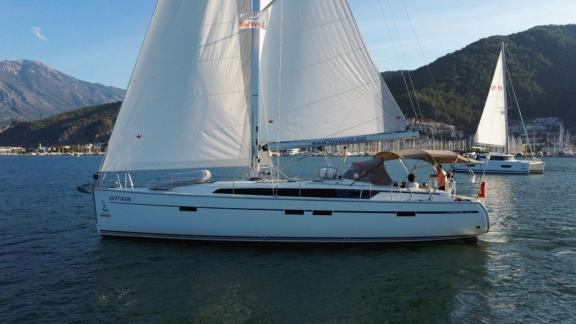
x=505, y=98
x=255, y=164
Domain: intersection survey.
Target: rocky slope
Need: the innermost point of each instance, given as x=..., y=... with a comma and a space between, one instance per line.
x=31, y=90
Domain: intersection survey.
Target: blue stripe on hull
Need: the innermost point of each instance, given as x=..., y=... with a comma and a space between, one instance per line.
x=309, y=210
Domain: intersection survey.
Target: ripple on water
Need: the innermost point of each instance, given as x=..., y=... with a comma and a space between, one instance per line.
x=53, y=266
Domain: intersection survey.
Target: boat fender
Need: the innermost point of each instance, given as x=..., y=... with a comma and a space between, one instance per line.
x=482, y=193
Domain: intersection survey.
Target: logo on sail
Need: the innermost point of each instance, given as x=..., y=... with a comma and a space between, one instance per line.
x=253, y=20
x=498, y=88
x=339, y=141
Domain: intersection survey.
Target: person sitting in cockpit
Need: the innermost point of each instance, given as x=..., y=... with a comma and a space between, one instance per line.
x=412, y=184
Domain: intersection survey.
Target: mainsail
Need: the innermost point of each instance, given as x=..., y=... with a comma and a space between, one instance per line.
x=188, y=101
x=492, y=129
x=317, y=80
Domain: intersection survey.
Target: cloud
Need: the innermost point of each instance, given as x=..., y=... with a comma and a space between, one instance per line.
x=37, y=31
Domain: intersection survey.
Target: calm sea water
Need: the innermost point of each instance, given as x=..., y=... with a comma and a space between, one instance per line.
x=55, y=268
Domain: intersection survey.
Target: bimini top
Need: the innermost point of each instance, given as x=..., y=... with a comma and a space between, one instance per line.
x=370, y=171
x=431, y=156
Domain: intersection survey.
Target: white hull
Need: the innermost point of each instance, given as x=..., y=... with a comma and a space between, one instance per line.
x=503, y=167
x=196, y=213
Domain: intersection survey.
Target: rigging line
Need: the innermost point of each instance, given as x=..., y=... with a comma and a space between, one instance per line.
x=264, y=109
x=415, y=96
x=268, y=5
x=407, y=72
x=519, y=111
x=395, y=51
x=279, y=97
x=412, y=93
x=410, y=97
x=436, y=88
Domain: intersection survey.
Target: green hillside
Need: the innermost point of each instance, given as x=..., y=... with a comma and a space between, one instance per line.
x=81, y=126
x=541, y=62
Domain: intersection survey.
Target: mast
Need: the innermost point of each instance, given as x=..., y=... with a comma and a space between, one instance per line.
x=505, y=98
x=255, y=160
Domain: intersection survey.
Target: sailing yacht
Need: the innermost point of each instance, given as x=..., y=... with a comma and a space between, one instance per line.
x=222, y=83
x=493, y=132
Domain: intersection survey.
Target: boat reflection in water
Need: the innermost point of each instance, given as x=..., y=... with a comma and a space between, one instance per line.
x=220, y=283
x=500, y=194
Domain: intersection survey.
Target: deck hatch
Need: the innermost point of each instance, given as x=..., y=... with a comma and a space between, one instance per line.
x=301, y=192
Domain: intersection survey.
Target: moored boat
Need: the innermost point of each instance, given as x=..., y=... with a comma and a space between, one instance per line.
x=492, y=132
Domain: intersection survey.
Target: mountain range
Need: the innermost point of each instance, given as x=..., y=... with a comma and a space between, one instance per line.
x=452, y=89
x=31, y=90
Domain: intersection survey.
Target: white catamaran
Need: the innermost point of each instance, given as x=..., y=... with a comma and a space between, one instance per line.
x=493, y=132
x=220, y=83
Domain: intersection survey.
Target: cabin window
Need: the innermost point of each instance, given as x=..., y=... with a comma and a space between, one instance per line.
x=293, y=212
x=297, y=192
x=501, y=158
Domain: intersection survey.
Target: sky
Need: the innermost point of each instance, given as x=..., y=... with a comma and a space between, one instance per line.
x=99, y=40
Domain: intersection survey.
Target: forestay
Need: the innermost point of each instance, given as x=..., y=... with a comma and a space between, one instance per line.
x=187, y=103
x=492, y=128
x=317, y=79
